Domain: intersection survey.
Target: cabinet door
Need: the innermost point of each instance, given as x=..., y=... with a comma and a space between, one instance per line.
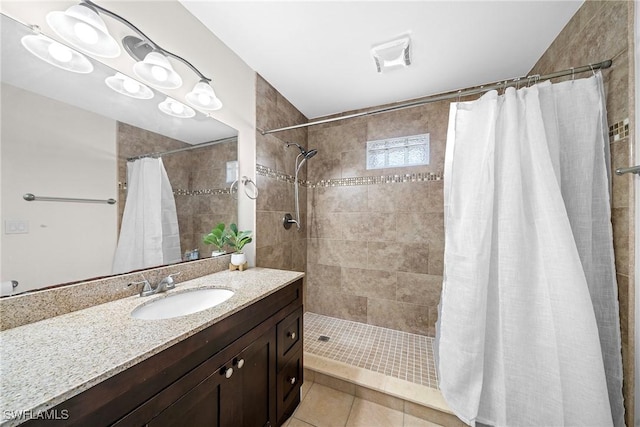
x=256, y=396
x=239, y=393
x=201, y=406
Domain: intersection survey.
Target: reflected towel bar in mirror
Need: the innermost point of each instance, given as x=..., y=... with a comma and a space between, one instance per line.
x=632, y=169
x=30, y=198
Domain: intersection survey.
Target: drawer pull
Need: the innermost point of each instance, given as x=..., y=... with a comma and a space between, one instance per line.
x=291, y=335
x=292, y=380
x=227, y=372
x=239, y=363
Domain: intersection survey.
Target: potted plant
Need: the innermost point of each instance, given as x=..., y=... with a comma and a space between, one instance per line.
x=218, y=237
x=237, y=240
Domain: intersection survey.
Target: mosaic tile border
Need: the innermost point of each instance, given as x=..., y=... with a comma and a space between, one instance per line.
x=348, y=182
x=184, y=192
x=279, y=176
x=203, y=192
x=619, y=130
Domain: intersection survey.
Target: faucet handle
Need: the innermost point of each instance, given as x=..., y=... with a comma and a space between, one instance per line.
x=146, y=288
x=169, y=280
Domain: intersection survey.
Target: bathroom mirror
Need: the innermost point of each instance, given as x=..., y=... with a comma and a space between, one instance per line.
x=69, y=135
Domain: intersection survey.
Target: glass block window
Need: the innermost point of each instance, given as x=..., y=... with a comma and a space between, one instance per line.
x=232, y=171
x=398, y=152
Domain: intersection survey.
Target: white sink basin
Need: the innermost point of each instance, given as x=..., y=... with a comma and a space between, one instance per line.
x=181, y=304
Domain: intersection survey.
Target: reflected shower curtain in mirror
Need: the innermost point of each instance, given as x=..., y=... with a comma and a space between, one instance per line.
x=149, y=234
x=528, y=332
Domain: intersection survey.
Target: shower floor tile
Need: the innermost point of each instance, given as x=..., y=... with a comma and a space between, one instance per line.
x=393, y=353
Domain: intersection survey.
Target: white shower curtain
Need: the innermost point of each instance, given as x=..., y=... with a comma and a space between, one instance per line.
x=528, y=332
x=149, y=234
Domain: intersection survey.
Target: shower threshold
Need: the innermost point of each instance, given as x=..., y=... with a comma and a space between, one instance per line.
x=391, y=368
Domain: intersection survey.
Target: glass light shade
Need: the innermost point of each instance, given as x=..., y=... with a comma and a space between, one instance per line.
x=128, y=86
x=203, y=96
x=176, y=109
x=82, y=27
x=57, y=54
x=157, y=71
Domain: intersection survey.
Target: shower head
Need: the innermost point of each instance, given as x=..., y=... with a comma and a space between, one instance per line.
x=306, y=154
x=309, y=154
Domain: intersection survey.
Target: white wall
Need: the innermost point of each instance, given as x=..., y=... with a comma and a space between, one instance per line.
x=53, y=149
x=171, y=26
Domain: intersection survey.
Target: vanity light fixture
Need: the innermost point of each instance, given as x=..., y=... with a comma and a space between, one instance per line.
x=203, y=96
x=128, y=86
x=393, y=54
x=156, y=70
x=176, y=109
x=57, y=54
x=82, y=27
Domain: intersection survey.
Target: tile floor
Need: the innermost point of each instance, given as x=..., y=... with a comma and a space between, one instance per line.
x=387, y=351
x=322, y=406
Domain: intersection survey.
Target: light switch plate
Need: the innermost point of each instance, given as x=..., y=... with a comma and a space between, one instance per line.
x=16, y=226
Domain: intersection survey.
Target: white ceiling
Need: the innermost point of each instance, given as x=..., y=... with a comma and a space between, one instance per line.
x=317, y=53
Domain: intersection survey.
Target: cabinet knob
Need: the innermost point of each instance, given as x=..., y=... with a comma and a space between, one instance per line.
x=292, y=380
x=227, y=372
x=239, y=363
x=291, y=335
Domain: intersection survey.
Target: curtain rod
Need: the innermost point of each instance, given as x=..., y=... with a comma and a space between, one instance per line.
x=179, y=150
x=455, y=94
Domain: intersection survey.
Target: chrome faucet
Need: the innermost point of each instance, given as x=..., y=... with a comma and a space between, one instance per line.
x=162, y=286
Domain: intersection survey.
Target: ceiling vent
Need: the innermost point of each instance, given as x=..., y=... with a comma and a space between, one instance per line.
x=393, y=54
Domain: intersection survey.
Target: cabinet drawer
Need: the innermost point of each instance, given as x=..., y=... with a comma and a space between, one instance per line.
x=289, y=383
x=289, y=334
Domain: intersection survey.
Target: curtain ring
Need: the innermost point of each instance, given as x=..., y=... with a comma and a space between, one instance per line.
x=234, y=184
x=459, y=94
x=246, y=180
x=517, y=80
x=573, y=74
x=592, y=69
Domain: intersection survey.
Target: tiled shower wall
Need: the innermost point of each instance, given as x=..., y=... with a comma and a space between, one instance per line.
x=275, y=246
x=376, y=245
x=192, y=174
x=604, y=30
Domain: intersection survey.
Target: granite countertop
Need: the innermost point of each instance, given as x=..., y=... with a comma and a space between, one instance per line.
x=48, y=362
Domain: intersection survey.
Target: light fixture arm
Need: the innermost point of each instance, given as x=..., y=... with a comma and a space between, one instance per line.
x=154, y=45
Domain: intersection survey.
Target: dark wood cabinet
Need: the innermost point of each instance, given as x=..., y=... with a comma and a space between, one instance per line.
x=240, y=371
x=238, y=393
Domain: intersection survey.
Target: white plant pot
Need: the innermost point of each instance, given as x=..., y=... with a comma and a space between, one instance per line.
x=218, y=253
x=238, y=258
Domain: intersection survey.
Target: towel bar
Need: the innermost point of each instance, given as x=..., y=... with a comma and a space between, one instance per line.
x=30, y=198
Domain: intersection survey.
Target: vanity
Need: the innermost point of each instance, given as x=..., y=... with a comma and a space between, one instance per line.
x=236, y=364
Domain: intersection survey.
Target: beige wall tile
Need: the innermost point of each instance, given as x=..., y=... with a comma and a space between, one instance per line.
x=326, y=276
x=436, y=258
x=344, y=253
x=620, y=221
x=620, y=183
x=369, y=283
x=422, y=289
x=328, y=302
x=398, y=315
x=409, y=257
